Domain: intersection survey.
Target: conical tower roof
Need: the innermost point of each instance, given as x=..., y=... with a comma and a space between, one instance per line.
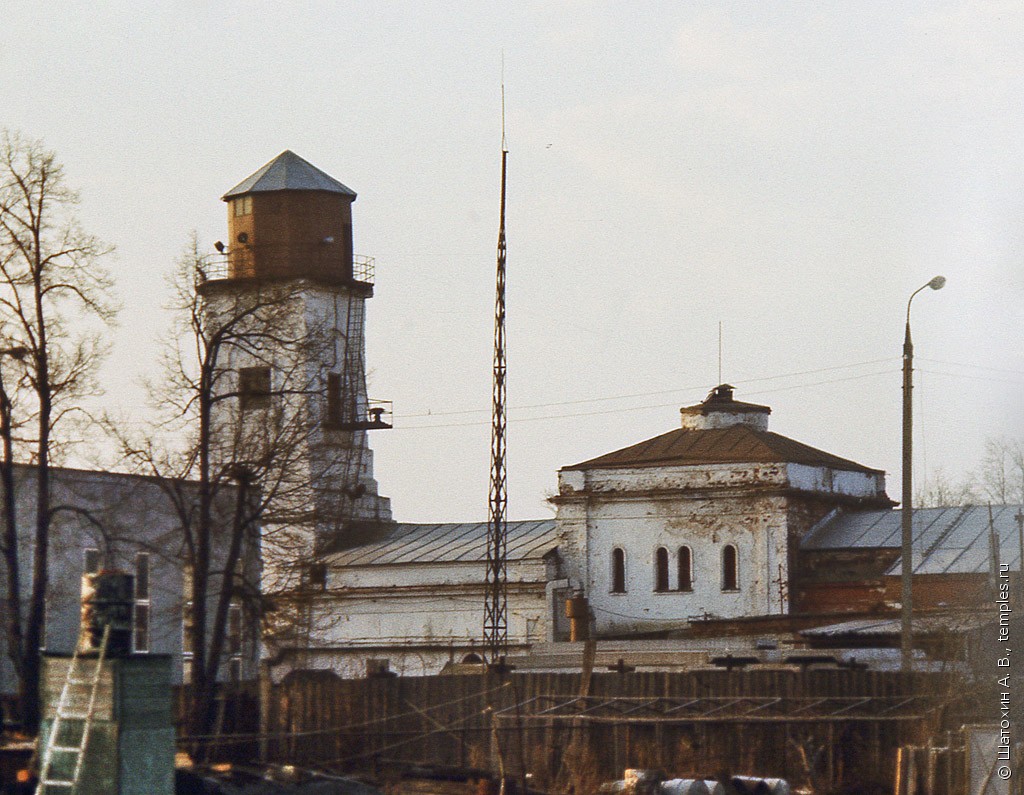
x=288, y=171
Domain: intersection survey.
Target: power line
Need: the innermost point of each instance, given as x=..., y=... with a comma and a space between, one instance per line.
x=971, y=366
x=635, y=408
x=701, y=387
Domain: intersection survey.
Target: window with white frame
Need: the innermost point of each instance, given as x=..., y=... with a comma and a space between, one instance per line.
x=235, y=642
x=242, y=205
x=141, y=615
x=187, y=624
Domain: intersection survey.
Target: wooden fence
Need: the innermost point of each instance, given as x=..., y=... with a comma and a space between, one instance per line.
x=830, y=726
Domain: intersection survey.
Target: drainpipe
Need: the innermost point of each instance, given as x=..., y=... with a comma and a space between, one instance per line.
x=577, y=610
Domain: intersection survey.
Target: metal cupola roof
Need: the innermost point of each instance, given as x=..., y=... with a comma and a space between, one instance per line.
x=288, y=171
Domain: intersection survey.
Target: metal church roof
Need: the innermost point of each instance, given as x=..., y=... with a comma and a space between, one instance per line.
x=288, y=171
x=951, y=540
x=735, y=444
x=891, y=627
x=443, y=543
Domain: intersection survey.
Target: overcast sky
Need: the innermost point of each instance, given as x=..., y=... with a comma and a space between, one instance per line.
x=792, y=171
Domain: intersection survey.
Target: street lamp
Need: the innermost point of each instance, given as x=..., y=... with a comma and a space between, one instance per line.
x=907, y=514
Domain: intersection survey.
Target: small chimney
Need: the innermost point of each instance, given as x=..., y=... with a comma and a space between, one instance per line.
x=720, y=410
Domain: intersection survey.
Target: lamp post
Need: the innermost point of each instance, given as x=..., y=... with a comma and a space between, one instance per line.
x=907, y=514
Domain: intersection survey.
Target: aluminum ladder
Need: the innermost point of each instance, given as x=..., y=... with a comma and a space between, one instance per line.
x=74, y=684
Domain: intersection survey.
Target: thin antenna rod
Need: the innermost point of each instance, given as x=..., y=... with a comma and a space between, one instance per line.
x=504, y=148
x=496, y=604
x=719, y=351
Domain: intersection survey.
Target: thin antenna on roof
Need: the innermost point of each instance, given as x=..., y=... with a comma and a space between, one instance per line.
x=720, y=351
x=504, y=148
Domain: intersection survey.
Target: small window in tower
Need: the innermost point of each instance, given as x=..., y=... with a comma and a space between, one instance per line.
x=618, y=570
x=141, y=627
x=187, y=629
x=254, y=387
x=317, y=575
x=730, y=568
x=235, y=629
x=332, y=416
x=661, y=570
x=242, y=205
x=685, y=569
x=141, y=617
x=142, y=577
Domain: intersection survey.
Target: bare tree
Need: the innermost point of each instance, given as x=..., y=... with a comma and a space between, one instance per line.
x=51, y=287
x=231, y=458
x=1001, y=478
x=939, y=490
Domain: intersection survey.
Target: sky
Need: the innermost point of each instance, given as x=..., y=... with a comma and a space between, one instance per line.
x=788, y=173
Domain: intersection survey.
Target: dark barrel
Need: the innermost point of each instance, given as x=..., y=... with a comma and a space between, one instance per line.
x=107, y=598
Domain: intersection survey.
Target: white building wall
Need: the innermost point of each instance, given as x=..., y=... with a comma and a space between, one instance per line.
x=419, y=617
x=835, y=481
x=702, y=507
x=706, y=526
x=330, y=460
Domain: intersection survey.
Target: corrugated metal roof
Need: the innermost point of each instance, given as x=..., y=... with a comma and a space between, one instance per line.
x=288, y=171
x=891, y=627
x=735, y=444
x=946, y=540
x=445, y=543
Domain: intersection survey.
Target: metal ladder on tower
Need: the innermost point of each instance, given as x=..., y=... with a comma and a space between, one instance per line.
x=75, y=682
x=354, y=376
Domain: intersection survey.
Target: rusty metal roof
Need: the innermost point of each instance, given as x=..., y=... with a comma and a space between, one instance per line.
x=721, y=399
x=738, y=444
x=444, y=543
x=288, y=171
x=951, y=540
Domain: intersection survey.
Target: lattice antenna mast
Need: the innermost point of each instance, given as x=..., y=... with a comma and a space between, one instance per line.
x=496, y=607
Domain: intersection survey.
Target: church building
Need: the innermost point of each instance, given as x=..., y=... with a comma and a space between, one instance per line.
x=700, y=526
x=704, y=521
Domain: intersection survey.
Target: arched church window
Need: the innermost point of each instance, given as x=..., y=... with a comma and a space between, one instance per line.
x=730, y=568
x=685, y=569
x=618, y=570
x=661, y=569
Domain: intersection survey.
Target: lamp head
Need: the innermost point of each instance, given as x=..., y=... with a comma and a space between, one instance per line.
x=937, y=283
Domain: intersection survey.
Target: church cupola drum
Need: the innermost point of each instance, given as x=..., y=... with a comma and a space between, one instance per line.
x=289, y=254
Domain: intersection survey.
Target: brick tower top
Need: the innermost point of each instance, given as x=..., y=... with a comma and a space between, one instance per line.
x=290, y=220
